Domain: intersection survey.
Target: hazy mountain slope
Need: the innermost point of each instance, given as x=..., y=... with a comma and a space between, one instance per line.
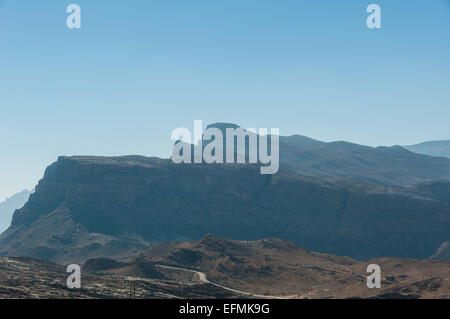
x=381, y=165
x=437, y=190
x=93, y=206
x=432, y=148
x=57, y=237
x=8, y=207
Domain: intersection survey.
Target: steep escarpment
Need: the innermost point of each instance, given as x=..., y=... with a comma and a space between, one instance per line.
x=90, y=207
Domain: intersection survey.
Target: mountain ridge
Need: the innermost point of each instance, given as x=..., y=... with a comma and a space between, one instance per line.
x=9, y=205
x=381, y=165
x=432, y=148
x=87, y=207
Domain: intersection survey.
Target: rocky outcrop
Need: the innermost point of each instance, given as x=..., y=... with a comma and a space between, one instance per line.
x=90, y=207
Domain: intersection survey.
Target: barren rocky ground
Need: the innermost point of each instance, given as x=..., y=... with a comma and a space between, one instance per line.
x=222, y=268
x=280, y=268
x=28, y=278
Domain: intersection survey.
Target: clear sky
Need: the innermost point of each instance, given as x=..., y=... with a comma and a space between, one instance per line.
x=138, y=69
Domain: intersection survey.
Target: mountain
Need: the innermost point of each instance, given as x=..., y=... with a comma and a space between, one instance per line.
x=8, y=207
x=343, y=160
x=115, y=207
x=381, y=165
x=432, y=148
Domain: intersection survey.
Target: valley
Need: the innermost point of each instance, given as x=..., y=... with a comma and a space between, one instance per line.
x=221, y=268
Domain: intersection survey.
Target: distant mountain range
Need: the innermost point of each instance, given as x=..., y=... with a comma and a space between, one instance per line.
x=432, y=148
x=343, y=160
x=8, y=207
x=381, y=165
x=87, y=207
x=338, y=198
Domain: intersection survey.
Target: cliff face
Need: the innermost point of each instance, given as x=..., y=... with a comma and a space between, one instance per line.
x=87, y=207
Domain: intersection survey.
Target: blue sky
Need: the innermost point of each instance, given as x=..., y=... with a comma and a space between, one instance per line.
x=138, y=69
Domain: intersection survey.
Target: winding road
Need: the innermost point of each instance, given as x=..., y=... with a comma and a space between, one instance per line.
x=202, y=278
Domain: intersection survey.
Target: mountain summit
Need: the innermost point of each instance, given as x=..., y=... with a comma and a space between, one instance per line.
x=343, y=160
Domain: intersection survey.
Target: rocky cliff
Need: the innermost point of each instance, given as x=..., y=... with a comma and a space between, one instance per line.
x=88, y=207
